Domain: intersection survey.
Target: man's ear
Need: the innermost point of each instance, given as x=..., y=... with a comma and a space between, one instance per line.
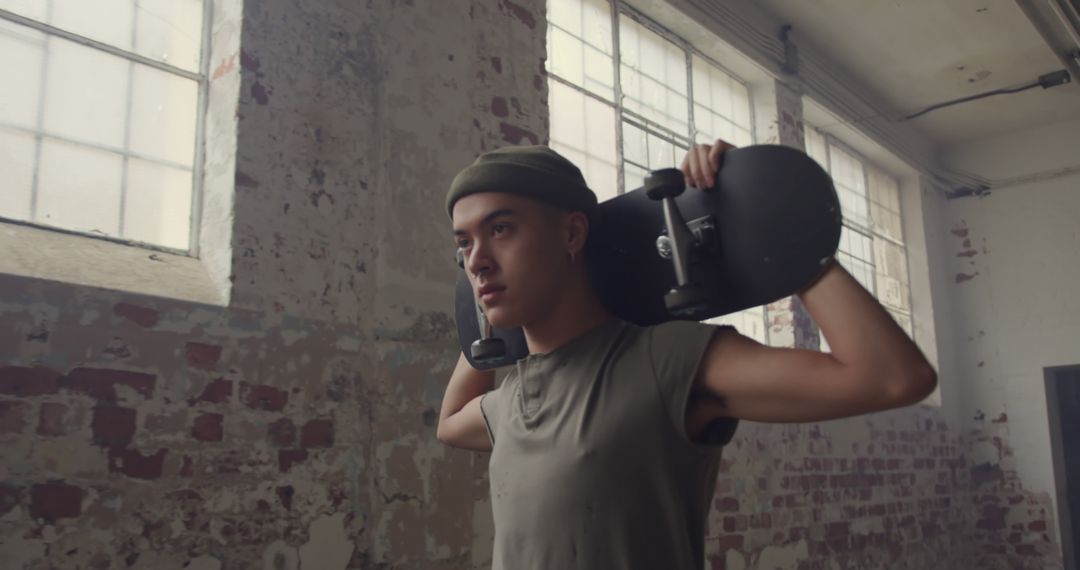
x=577, y=231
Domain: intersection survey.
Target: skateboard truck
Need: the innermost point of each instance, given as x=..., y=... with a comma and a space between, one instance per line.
x=685, y=298
x=487, y=347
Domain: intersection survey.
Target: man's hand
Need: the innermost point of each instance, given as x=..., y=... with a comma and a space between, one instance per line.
x=702, y=162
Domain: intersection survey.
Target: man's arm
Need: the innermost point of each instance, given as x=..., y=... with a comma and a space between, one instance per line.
x=874, y=366
x=461, y=423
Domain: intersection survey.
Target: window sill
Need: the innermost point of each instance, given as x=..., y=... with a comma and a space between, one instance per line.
x=43, y=254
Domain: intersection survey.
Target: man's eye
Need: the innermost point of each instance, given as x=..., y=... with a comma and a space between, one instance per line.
x=499, y=228
x=462, y=244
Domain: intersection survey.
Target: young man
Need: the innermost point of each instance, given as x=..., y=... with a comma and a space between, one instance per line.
x=606, y=439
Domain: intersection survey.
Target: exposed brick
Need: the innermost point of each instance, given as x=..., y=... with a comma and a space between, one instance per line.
x=202, y=356
x=113, y=426
x=100, y=383
x=186, y=468
x=730, y=542
x=1026, y=550
x=10, y=497
x=835, y=529
x=289, y=457
x=285, y=493
x=992, y=518
x=55, y=500
x=136, y=465
x=13, y=416
x=727, y=504
x=24, y=381
x=317, y=433
x=216, y=392
x=142, y=316
x=208, y=427
x=729, y=524
x=282, y=432
x=51, y=419
x=261, y=397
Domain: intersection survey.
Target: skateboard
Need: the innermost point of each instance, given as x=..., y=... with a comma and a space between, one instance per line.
x=664, y=251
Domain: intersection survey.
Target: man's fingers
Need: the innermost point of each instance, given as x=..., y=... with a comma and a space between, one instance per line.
x=706, y=173
x=687, y=179
x=697, y=166
x=716, y=153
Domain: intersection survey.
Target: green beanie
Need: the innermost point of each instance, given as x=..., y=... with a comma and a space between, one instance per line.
x=535, y=172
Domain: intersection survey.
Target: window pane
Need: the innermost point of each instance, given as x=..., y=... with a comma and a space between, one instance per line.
x=633, y=176
x=892, y=275
x=583, y=130
x=169, y=31
x=162, y=115
x=653, y=76
x=21, y=52
x=579, y=45
x=815, y=147
x=96, y=114
x=33, y=9
x=885, y=203
x=847, y=174
x=855, y=254
x=566, y=14
x=17, y=168
x=79, y=188
x=158, y=204
x=107, y=21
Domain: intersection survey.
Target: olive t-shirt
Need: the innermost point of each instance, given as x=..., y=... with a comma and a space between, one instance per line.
x=591, y=466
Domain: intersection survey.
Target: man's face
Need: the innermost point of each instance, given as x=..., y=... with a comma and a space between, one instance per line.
x=514, y=253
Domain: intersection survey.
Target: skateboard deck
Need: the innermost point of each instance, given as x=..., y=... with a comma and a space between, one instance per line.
x=765, y=231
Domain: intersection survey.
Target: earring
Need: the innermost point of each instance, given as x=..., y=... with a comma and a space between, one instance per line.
x=572, y=257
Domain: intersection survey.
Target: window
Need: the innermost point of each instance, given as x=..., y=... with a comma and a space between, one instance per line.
x=872, y=241
x=627, y=97
x=100, y=116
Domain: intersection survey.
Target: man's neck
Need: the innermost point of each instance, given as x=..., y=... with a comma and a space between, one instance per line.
x=575, y=315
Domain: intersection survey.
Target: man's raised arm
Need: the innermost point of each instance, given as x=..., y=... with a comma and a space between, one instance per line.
x=461, y=423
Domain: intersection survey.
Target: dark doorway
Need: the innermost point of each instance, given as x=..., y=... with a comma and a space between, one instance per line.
x=1063, y=407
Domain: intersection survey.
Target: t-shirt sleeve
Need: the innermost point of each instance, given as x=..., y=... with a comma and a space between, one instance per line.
x=676, y=349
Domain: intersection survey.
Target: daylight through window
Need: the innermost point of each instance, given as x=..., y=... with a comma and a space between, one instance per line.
x=100, y=115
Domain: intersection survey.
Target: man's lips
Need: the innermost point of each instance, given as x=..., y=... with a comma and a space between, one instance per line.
x=489, y=292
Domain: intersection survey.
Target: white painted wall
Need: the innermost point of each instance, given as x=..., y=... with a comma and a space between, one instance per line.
x=1020, y=311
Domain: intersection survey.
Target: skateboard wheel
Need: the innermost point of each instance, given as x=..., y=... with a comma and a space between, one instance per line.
x=488, y=349
x=664, y=183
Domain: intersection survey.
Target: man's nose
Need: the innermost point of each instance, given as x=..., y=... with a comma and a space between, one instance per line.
x=479, y=259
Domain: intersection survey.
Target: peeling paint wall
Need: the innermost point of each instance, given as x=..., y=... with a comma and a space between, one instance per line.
x=1015, y=265
x=294, y=429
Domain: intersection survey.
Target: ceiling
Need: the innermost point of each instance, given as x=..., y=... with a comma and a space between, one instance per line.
x=915, y=53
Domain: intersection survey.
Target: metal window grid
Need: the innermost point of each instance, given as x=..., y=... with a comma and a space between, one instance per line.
x=871, y=231
x=125, y=153
x=623, y=115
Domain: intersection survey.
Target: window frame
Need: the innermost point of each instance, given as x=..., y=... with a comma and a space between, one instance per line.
x=618, y=8
x=202, y=79
x=871, y=230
